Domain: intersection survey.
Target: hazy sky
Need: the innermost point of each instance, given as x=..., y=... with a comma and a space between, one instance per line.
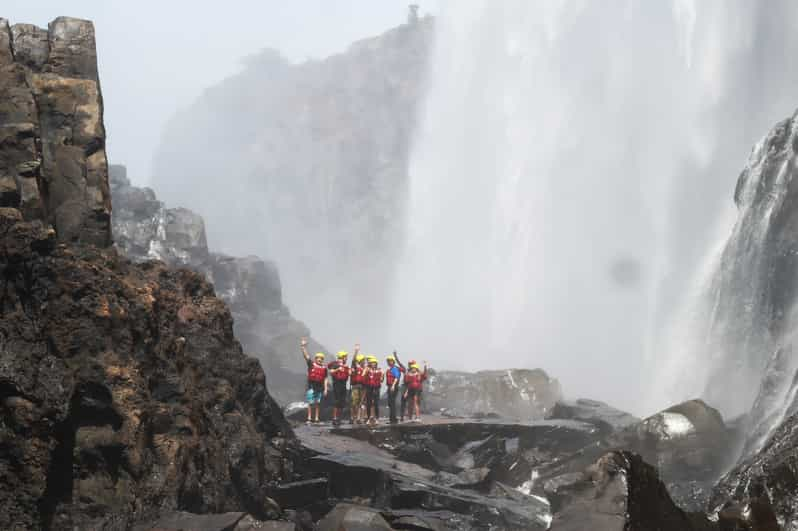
x=157, y=56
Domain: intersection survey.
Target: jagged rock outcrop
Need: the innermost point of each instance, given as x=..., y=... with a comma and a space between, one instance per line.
x=318, y=154
x=123, y=391
x=621, y=492
x=521, y=394
x=768, y=479
x=52, y=162
x=145, y=229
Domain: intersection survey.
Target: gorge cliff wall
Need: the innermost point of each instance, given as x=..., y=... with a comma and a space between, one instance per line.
x=123, y=391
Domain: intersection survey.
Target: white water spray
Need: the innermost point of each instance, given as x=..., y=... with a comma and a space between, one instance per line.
x=572, y=160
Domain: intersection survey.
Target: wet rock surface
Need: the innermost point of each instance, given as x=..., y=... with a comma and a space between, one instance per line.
x=521, y=394
x=766, y=478
x=622, y=492
x=496, y=475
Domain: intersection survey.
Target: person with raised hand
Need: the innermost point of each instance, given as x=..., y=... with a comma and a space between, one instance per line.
x=317, y=381
x=415, y=383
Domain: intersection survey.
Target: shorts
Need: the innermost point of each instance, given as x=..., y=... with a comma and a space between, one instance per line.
x=339, y=393
x=314, y=395
x=413, y=393
x=357, y=395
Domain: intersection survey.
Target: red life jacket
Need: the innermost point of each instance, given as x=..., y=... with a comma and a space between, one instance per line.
x=342, y=374
x=389, y=377
x=414, y=381
x=374, y=378
x=317, y=373
x=357, y=375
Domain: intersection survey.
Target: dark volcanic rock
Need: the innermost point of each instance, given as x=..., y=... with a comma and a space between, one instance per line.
x=520, y=394
x=594, y=412
x=621, y=492
x=363, y=471
x=52, y=162
x=124, y=392
x=144, y=229
x=772, y=472
x=688, y=443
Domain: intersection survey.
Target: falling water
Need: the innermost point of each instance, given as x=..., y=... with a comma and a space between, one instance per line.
x=569, y=173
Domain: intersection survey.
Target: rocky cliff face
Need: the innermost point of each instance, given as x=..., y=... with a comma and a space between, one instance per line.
x=145, y=229
x=307, y=164
x=53, y=164
x=123, y=391
x=756, y=293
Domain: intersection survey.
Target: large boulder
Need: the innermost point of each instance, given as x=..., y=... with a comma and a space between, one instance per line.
x=620, y=492
x=608, y=418
x=690, y=445
x=520, y=394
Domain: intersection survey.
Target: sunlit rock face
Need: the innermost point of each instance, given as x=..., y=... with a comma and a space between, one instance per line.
x=54, y=165
x=145, y=229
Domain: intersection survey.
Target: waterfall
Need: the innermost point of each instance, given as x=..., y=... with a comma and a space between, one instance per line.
x=571, y=168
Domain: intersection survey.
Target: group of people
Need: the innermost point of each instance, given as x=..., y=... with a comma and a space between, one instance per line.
x=361, y=381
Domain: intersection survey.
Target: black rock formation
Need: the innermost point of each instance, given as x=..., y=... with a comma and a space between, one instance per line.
x=123, y=392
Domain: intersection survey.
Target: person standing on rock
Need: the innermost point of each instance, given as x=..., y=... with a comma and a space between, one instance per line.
x=340, y=375
x=357, y=377
x=392, y=378
x=415, y=383
x=374, y=377
x=317, y=381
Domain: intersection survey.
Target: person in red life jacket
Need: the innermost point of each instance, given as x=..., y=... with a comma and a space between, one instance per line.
x=317, y=381
x=393, y=376
x=358, y=379
x=339, y=371
x=415, y=383
x=374, y=377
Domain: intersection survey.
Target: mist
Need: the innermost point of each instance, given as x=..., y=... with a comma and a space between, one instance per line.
x=573, y=174
x=514, y=184
x=158, y=57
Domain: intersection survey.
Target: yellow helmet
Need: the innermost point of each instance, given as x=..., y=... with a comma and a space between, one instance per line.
x=342, y=354
x=414, y=365
x=319, y=355
x=371, y=359
x=359, y=358
x=390, y=358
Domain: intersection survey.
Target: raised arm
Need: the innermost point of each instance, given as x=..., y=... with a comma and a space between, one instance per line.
x=304, y=344
x=398, y=362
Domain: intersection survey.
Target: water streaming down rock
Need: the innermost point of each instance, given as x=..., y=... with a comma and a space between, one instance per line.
x=568, y=172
